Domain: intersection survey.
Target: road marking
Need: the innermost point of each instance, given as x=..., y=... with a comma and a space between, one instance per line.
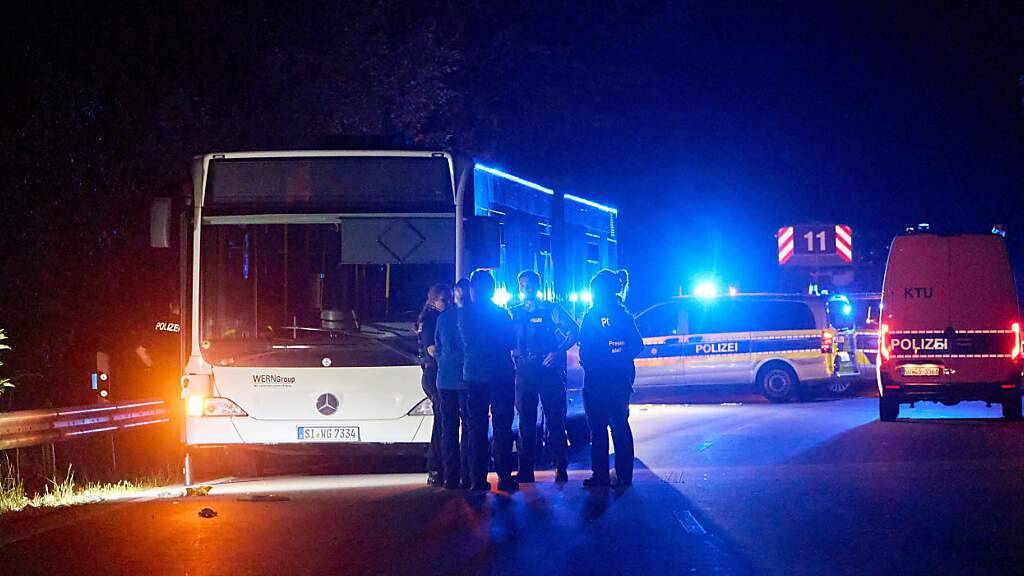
x=673, y=477
x=690, y=524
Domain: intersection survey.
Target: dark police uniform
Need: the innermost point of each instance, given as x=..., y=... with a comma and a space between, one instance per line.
x=488, y=339
x=609, y=341
x=542, y=328
x=155, y=368
x=427, y=328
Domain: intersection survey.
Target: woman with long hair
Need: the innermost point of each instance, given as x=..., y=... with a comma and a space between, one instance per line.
x=451, y=388
x=439, y=297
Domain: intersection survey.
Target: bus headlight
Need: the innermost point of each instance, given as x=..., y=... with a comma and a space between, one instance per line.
x=198, y=406
x=424, y=408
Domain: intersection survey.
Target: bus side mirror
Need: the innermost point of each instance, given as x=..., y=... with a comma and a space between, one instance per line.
x=160, y=223
x=483, y=241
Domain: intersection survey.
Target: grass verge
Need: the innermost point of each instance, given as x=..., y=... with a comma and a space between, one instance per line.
x=66, y=492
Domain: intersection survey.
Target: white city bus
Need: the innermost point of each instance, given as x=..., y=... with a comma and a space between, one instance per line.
x=302, y=275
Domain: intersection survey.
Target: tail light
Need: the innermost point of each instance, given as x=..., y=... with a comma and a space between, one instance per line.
x=828, y=340
x=1015, y=353
x=883, y=342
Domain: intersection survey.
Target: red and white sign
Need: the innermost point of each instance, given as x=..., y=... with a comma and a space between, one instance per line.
x=815, y=245
x=785, y=237
x=844, y=242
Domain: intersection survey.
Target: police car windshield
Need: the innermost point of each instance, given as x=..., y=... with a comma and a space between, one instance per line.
x=277, y=291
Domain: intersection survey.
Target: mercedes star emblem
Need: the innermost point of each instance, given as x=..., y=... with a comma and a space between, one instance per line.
x=327, y=404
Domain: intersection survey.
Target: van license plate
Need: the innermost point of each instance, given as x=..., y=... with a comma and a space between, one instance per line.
x=328, y=433
x=922, y=370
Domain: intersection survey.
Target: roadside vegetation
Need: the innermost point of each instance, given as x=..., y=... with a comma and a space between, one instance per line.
x=66, y=491
x=5, y=383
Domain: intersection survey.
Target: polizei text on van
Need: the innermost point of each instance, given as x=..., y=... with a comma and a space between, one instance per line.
x=917, y=345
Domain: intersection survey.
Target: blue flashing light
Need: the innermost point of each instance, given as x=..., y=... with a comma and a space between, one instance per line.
x=512, y=178
x=847, y=309
x=705, y=289
x=501, y=297
x=733, y=291
x=95, y=381
x=573, y=297
x=592, y=204
x=540, y=295
x=586, y=297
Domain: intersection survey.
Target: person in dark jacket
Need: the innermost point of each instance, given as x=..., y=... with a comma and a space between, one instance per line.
x=609, y=341
x=462, y=292
x=544, y=332
x=453, y=410
x=488, y=339
x=439, y=297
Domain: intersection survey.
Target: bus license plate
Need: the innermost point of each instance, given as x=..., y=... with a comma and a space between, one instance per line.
x=927, y=370
x=328, y=433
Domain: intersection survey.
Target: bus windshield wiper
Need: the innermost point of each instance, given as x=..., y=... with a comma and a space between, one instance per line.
x=364, y=336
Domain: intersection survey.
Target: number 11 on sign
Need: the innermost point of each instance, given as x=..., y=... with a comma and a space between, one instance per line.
x=810, y=241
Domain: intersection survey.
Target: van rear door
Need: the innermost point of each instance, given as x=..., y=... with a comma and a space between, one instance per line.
x=915, y=300
x=983, y=308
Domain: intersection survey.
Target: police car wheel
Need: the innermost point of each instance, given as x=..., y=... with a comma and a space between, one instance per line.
x=777, y=382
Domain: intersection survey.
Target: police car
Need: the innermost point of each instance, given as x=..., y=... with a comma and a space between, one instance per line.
x=782, y=344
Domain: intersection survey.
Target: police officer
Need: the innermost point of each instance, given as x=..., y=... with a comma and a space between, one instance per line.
x=609, y=341
x=157, y=353
x=544, y=332
x=439, y=297
x=488, y=339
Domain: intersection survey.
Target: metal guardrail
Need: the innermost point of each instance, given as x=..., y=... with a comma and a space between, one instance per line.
x=26, y=428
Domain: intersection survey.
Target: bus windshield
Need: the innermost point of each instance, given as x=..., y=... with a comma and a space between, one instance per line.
x=343, y=294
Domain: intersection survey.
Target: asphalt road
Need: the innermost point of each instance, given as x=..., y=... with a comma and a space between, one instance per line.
x=726, y=485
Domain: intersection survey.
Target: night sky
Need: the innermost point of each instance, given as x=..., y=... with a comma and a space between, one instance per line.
x=710, y=124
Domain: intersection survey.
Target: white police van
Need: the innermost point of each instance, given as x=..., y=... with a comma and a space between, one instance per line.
x=782, y=344
x=950, y=324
